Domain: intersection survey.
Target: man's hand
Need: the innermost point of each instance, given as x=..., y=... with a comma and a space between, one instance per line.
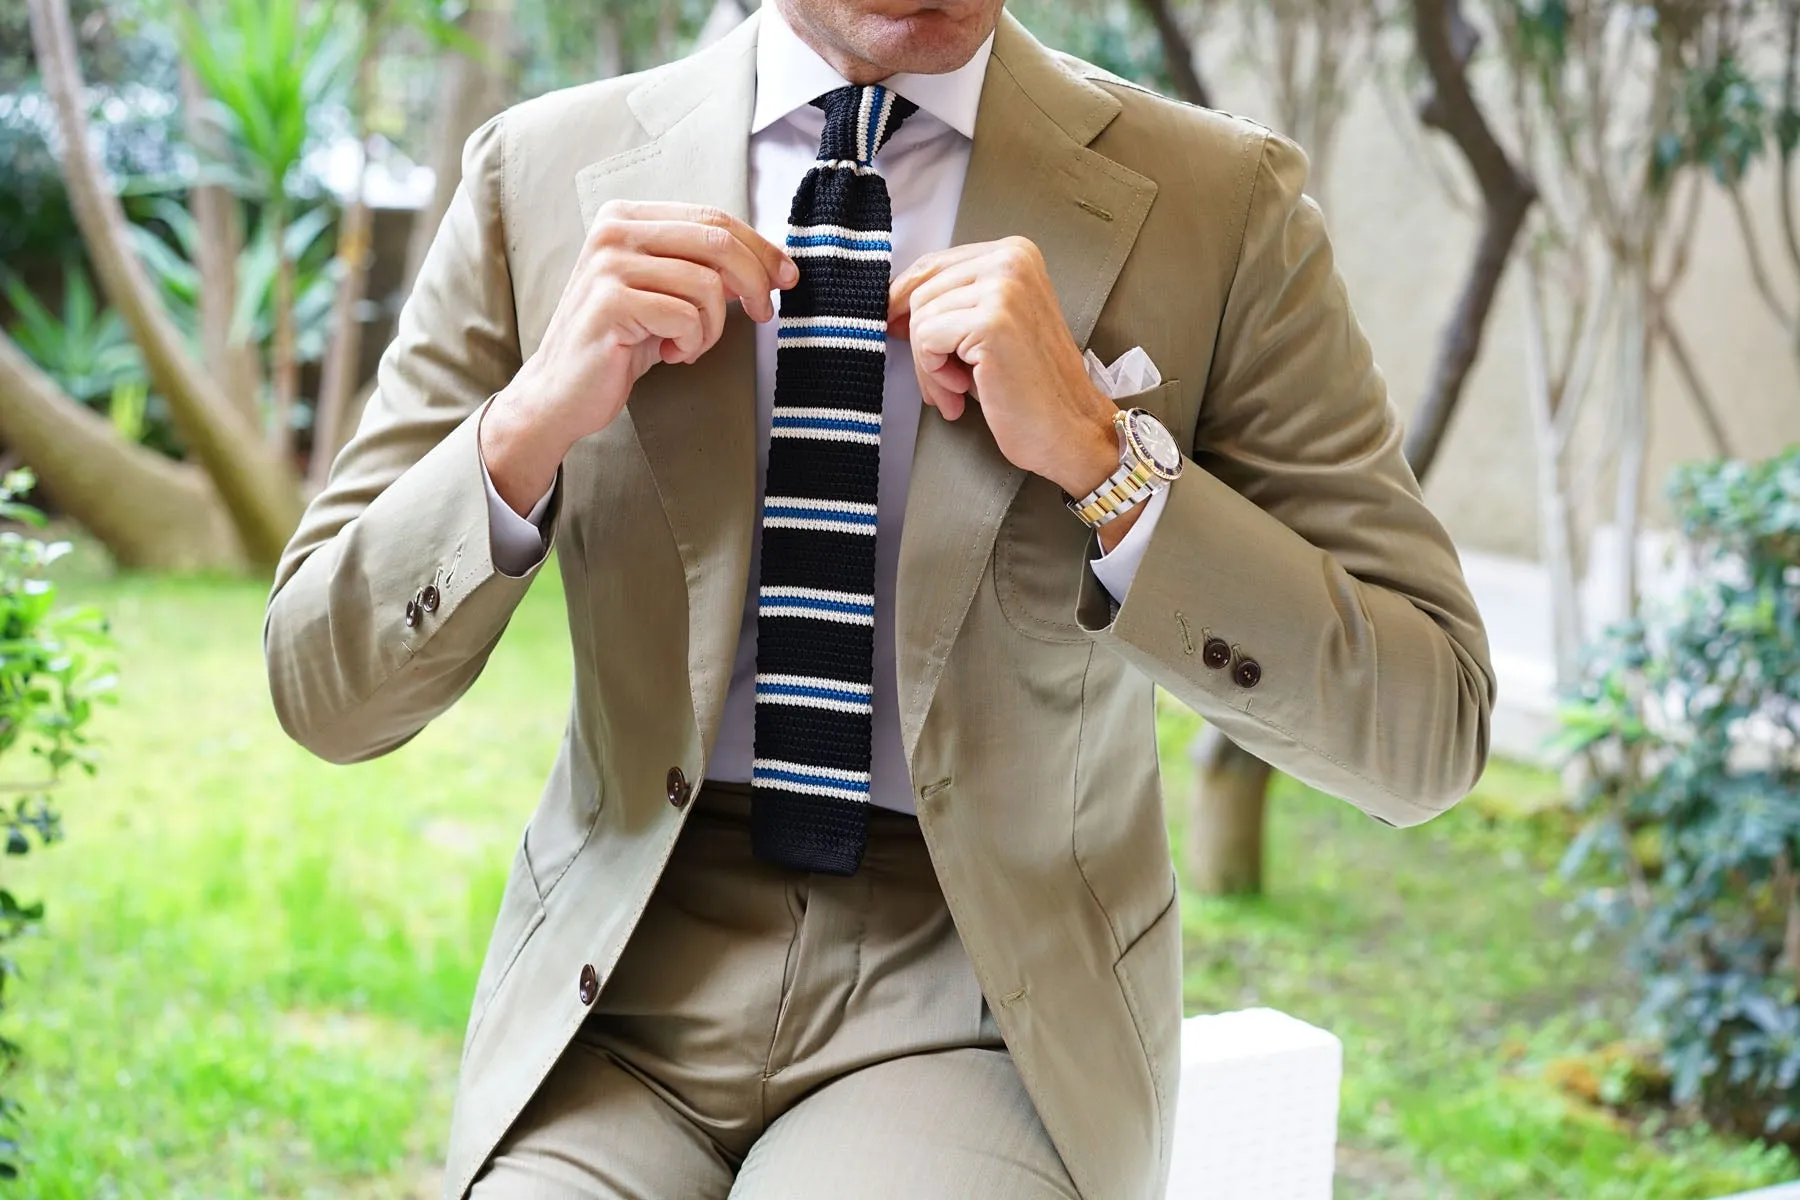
x=984, y=322
x=651, y=285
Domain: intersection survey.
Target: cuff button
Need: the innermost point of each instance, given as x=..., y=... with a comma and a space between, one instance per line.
x=412, y=613
x=1248, y=673
x=1215, y=653
x=428, y=599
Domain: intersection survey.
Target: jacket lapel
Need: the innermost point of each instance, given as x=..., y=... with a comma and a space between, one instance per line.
x=696, y=423
x=1031, y=173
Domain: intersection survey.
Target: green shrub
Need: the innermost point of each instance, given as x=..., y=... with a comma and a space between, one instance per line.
x=1687, y=727
x=49, y=679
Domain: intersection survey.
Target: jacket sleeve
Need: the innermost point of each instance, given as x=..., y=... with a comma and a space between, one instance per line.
x=406, y=508
x=1298, y=537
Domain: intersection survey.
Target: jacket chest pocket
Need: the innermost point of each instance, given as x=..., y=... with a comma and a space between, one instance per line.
x=1042, y=549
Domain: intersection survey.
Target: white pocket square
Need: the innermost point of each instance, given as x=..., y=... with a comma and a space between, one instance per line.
x=1132, y=372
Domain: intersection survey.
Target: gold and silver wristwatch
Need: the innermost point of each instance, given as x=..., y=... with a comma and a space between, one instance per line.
x=1149, y=461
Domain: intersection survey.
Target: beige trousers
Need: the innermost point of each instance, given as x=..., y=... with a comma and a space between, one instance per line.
x=771, y=1034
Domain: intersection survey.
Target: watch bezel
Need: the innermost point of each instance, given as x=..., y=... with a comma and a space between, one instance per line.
x=1135, y=443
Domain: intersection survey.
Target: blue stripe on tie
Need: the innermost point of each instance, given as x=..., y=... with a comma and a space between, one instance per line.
x=832, y=239
x=875, y=117
x=867, y=335
x=848, y=785
x=817, y=693
x=842, y=606
x=827, y=423
x=818, y=514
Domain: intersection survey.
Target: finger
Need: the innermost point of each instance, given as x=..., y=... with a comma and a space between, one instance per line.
x=658, y=315
x=941, y=345
x=743, y=272
x=935, y=394
x=700, y=286
x=925, y=267
x=777, y=265
x=943, y=289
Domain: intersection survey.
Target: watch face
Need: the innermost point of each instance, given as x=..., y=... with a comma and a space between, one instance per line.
x=1156, y=444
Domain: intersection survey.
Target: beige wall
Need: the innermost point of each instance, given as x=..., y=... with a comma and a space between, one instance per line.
x=1403, y=247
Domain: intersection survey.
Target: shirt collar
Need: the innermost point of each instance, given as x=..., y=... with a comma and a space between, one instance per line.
x=790, y=74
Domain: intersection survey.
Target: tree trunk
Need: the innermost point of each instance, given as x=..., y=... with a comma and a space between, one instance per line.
x=258, y=489
x=337, y=379
x=1225, y=829
x=1445, y=44
x=1178, y=53
x=473, y=90
x=284, y=362
x=220, y=226
x=150, y=513
x=1634, y=439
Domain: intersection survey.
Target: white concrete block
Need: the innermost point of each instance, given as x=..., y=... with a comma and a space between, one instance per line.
x=1257, y=1117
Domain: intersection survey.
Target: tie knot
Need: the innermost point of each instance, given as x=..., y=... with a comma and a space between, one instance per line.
x=859, y=121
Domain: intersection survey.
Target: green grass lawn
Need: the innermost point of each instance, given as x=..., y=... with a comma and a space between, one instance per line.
x=255, y=968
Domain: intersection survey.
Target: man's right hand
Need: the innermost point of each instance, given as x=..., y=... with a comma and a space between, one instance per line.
x=651, y=285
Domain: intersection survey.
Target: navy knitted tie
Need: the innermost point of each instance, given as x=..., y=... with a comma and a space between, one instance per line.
x=815, y=625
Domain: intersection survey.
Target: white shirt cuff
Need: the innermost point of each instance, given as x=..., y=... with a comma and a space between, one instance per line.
x=516, y=543
x=1116, y=568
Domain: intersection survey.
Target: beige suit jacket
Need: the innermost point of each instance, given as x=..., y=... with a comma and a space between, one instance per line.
x=1297, y=535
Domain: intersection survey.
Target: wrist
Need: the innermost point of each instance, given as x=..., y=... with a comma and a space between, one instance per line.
x=520, y=451
x=1094, y=455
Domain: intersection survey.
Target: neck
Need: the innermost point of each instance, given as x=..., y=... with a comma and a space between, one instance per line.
x=858, y=71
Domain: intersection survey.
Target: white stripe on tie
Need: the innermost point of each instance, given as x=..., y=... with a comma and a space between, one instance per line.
x=839, y=231
x=829, y=251
x=842, y=164
x=861, y=795
x=829, y=435
x=887, y=110
x=843, y=697
x=861, y=689
x=826, y=506
x=867, y=345
x=863, y=150
x=868, y=323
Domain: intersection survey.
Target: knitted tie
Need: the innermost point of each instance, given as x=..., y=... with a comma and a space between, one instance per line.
x=815, y=624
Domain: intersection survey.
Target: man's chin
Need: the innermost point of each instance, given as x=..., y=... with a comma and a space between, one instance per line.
x=929, y=42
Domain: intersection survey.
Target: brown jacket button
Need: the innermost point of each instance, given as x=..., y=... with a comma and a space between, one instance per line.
x=589, y=988
x=428, y=599
x=679, y=788
x=412, y=613
x=1248, y=673
x=1215, y=653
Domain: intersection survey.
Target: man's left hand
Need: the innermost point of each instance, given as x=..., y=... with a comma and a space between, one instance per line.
x=984, y=323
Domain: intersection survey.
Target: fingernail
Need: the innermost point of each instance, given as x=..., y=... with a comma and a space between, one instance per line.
x=790, y=273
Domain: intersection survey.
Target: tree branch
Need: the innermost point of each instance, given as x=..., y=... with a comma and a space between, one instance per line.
x=1446, y=42
x=1178, y=53
x=259, y=489
x=1666, y=334
x=149, y=512
x=1759, y=275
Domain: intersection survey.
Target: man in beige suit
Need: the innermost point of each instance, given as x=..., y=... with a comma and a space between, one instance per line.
x=989, y=1004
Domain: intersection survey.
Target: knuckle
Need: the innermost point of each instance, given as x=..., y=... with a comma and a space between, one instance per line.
x=712, y=214
x=607, y=231
x=1021, y=252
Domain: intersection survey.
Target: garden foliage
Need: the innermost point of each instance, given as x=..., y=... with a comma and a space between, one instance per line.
x=1687, y=727
x=51, y=673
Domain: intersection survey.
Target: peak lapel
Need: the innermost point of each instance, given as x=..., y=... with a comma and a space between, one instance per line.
x=696, y=423
x=1031, y=173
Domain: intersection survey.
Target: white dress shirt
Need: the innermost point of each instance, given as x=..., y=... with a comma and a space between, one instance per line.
x=924, y=163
